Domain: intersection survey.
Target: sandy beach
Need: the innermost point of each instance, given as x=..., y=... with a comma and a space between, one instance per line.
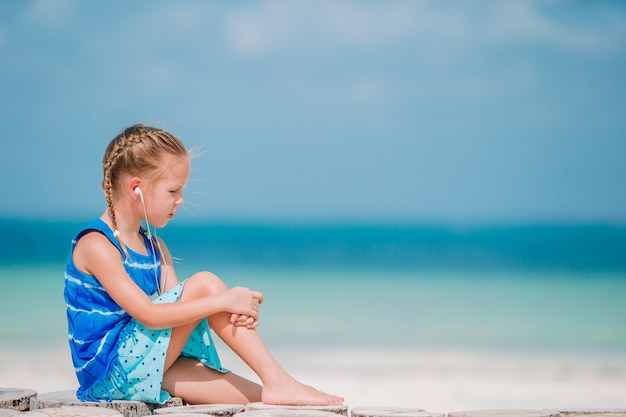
x=436, y=380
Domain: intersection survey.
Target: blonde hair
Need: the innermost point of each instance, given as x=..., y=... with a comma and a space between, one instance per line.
x=137, y=151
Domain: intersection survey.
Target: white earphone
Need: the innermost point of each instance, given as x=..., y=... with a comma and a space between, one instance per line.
x=139, y=193
x=150, y=238
x=143, y=203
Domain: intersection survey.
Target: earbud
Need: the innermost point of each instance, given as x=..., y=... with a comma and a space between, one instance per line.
x=140, y=194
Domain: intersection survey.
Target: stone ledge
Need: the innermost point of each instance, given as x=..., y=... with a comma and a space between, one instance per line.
x=72, y=411
x=15, y=402
x=505, y=413
x=16, y=398
x=126, y=408
x=207, y=409
x=341, y=410
x=588, y=412
x=392, y=412
x=286, y=412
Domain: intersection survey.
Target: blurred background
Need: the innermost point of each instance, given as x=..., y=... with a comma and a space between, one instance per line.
x=439, y=175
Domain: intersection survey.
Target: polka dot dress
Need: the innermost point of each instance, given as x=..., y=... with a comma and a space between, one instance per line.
x=139, y=373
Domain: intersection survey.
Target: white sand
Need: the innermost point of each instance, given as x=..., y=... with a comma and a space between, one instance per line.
x=436, y=380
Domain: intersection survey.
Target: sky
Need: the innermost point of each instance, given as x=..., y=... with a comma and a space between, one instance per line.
x=383, y=111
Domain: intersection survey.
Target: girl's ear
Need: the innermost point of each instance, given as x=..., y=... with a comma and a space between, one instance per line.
x=132, y=184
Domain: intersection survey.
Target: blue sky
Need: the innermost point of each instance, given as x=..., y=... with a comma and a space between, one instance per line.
x=410, y=111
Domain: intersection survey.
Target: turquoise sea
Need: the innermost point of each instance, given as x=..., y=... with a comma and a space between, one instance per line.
x=535, y=287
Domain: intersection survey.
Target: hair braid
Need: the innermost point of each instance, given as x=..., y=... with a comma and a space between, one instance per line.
x=115, y=149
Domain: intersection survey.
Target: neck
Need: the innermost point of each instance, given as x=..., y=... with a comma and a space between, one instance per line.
x=128, y=232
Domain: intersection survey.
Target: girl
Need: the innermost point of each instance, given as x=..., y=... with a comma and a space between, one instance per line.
x=135, y=331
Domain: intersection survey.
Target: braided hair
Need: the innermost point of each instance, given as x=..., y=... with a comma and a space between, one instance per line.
x=136, y=151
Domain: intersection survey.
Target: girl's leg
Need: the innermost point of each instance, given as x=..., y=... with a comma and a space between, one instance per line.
x=188, y=378
x=196, y=384
x=278, y=386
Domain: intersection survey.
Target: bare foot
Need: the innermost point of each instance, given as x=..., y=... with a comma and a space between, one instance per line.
x=293, y=392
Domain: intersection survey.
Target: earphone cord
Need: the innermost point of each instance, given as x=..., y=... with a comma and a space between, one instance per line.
x=160, y=286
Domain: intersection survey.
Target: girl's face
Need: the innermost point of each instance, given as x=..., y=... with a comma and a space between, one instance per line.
x=166, y=193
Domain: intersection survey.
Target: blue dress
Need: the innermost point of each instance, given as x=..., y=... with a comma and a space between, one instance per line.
x=115, y=357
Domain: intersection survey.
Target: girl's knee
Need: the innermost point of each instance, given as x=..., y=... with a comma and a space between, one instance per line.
x=205, y=283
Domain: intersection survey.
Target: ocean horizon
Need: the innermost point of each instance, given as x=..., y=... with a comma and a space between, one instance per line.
x=521, y=246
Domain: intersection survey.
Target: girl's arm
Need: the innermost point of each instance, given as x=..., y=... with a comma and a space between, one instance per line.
x=95, y=255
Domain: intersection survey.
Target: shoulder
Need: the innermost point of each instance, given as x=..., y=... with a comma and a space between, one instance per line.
x=94, y=238
x=92, y=248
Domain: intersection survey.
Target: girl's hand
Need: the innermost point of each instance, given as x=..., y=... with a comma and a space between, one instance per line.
x=242, y=320
x=243, y=302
